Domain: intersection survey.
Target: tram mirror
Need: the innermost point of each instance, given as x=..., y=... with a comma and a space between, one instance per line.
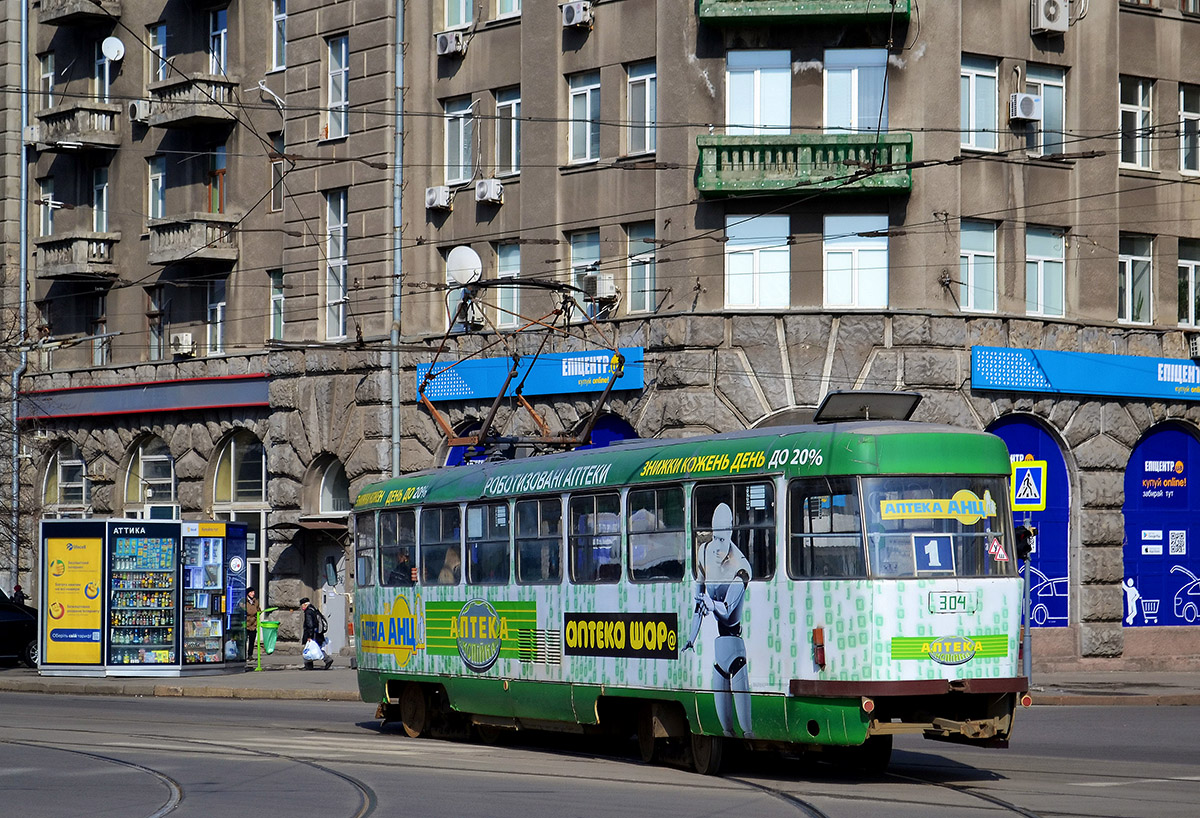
x=1025, y=535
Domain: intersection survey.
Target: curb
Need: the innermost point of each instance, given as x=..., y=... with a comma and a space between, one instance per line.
x=1116, y=700
x=144, y=689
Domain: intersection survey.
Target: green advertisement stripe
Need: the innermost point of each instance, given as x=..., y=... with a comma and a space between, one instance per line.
x=987, y=646
x=439, y=616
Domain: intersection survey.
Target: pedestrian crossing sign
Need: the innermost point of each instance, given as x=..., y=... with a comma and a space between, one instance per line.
x=1028, y=486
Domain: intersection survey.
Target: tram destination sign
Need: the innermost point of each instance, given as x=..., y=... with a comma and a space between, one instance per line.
x=559, y=373
x=1084, y=373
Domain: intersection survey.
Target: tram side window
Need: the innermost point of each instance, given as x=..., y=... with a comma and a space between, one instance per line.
x=397, y=541
x=748, y=515
x=539, y=541
x=825, y=536
x=594, y=541
x=657, y=540
x=364, y=549
x=441, y=560
x=487, y=544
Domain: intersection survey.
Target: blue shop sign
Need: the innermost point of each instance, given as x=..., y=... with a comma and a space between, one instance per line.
x=1084, y=373
x=560, y=373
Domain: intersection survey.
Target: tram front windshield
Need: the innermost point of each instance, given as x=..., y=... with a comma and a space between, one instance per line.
x=931, y=526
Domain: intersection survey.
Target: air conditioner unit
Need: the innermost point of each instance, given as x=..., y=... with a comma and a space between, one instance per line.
x=450, y=44
x=139, y=110
x=182, y=343
x=1025, y=108
x=437, y=197
x=32, y=134
x=577, y=13
x=1049, y=16
x=599, y=286
x=489, y=190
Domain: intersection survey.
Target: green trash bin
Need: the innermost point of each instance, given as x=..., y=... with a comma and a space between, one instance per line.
x=267, y=633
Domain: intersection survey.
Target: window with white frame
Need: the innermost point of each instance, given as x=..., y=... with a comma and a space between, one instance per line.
x=507, y=8
x=1135, y=265
x=460, y=140
x=337, y=263
x=1137, y=126
x=100, y=200
x=98, y=330
x=66, y=491
x=508, y=131
x=337, y=98
x=1189, y=128
x=278, y=34
x=1045, y=267
x=458, y=13
x=277, y=171
x=1189, y=293
x=46, y=206
x=335, y=490
x=241, y=472
x=215, y=324
x=977, y=266
x=101, y=74
x=856, y=261
x=156, y=187
x=1050, y=83
x=156, y=58
x=977, y=103
x=46, y=78
x=641, y=266
x=584, y=136
x=218, y=41
x=151, y=475
x=856, y=90
x=585, y=260
x=275, y=279
x=758, y=92
x=757, y=262
x=508, y=297
x=156, y=319
x=642, y=100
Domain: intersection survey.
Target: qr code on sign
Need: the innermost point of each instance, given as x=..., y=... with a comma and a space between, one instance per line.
x=1178, y=543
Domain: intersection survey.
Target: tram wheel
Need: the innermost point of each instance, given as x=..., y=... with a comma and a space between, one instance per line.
x=647, y=743
x=488, y=734
x=414, y=711
x=706, y=752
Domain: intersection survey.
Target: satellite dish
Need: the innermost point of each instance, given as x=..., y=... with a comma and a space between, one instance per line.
x=112, y=49
x=463, y=265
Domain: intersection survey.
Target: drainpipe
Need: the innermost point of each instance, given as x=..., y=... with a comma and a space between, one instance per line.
x=397, y=224
x=22, y=320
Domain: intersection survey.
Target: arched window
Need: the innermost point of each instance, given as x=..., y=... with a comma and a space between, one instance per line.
x=67, y=490
x=239, y=493
x=335, y=490
x=150, y=481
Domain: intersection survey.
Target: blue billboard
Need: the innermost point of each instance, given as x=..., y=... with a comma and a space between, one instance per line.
x=1162, y=570
x=1084, y=373
x=558, y=373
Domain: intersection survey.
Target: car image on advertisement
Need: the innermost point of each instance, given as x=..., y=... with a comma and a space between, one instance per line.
x=1187, y=598
x=18, y=632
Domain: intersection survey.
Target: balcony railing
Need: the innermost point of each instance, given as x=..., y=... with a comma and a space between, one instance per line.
x=80, y=125
x=776, y=11
x=194, y=99
x=802, y=163
x=194, y=237
x=75, y=255
x=65, y=12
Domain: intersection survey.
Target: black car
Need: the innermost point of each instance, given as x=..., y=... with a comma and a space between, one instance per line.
x=18, y=632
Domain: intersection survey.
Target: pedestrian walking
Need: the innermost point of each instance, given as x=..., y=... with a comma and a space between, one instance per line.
x=315, y=626
x=252, y=609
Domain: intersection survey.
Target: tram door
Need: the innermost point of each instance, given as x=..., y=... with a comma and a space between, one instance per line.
x=331, y=561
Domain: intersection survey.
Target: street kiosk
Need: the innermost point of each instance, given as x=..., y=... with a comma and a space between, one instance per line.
x=142, y=597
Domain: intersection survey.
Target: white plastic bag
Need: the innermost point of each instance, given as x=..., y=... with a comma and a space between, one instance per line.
x=312, y=651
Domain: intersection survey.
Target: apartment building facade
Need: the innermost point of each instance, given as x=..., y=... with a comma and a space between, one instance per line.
x=758, y=202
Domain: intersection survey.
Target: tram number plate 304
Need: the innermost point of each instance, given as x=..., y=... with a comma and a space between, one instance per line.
x=951, y=602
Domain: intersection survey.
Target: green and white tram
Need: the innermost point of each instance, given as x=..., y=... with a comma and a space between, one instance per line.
x=821, y=586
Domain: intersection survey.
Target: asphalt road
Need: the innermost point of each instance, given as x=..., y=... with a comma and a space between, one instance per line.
x=131, y=757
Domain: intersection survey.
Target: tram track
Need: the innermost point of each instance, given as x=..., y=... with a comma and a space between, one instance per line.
x=968, y=791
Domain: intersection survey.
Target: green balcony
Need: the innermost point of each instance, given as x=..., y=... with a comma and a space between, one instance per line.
x=803, y=163
x=806, y=11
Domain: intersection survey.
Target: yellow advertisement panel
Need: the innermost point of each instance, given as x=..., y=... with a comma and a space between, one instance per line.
x=74, y=620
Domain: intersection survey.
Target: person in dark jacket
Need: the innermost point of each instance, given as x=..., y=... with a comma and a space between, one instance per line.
x=313, y=629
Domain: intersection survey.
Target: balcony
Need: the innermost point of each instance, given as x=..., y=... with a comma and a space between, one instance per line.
x=194, y=237
x=81, y=125
x=806, y=11
x=194, y=99
x=72, y=12
x=803, y=163
x=75, y=255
